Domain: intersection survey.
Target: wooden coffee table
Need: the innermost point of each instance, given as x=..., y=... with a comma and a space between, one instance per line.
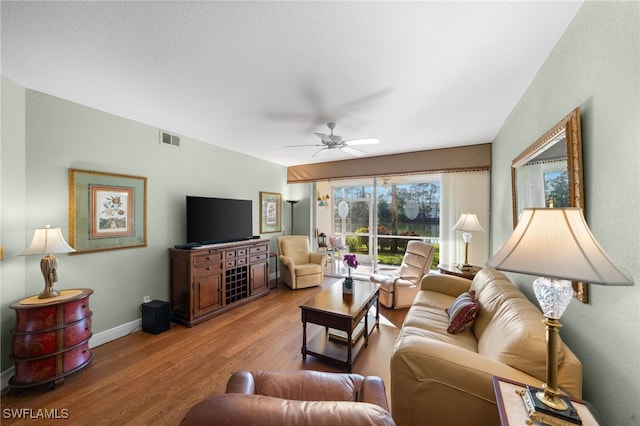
x=334, y=310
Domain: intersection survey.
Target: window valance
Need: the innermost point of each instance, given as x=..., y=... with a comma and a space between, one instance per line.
x=457, y=159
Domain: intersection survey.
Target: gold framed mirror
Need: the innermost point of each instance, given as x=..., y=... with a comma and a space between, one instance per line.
x=549, y=174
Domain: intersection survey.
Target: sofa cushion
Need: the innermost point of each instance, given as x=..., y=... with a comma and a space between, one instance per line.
x=462, y=312
x=431, y=322
x=433, y=299
x=517, y=337
x=492, y=289
x=427, y=318
x=464, y=339
x=307, y=269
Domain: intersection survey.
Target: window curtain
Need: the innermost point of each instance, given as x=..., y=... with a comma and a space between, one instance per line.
x=464, y=192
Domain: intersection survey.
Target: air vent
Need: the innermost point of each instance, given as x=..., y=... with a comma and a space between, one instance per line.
x=169, y=139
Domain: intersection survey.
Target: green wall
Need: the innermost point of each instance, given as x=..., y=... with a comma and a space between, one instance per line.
x=12, y=209
x=595, y=66
x=60, y=135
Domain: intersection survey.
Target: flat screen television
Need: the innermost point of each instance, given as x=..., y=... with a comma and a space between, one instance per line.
x=218, y=220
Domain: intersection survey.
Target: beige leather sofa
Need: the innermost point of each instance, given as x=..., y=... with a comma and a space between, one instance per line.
x=296, y=397
x=446, y=379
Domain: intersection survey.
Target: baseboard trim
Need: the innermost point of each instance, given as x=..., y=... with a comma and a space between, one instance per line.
x=6, y=375
x=115, y=333
x=95, y=341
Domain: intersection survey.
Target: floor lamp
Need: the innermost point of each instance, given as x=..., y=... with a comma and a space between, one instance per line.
x=293, y=203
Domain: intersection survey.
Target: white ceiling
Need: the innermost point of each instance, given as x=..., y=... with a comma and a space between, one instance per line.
x=255, y=76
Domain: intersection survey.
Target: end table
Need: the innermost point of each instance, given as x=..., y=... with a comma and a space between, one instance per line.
x=468, y=273
x=51, y=338
x=513, y=412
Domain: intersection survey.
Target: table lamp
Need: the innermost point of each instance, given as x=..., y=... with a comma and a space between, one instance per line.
x=557, y=244
x=47, y=241
x=467, y=223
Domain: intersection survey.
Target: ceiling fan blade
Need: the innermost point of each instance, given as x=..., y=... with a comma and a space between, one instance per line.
x=352, y=151
x=366, y=141
x=325, y=138
x=322, y=151
x=297, y=146
x=361, y=102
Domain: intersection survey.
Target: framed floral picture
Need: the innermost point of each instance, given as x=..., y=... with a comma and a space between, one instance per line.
x=107, y=211
x=270, y=212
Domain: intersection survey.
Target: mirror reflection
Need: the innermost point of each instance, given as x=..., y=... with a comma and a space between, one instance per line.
x=542, y=181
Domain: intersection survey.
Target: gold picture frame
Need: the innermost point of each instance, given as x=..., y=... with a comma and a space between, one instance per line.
x=107, y=211
x=270, y=212
x=561, y=145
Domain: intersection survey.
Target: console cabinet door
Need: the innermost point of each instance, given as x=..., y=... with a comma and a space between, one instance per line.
x=259, y=277
x=208, y=294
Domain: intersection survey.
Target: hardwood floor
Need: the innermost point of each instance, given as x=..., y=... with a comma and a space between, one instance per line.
x=143, y=378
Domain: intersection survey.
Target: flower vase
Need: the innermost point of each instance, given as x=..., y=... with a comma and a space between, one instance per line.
x=347, y=285
x=352, y=263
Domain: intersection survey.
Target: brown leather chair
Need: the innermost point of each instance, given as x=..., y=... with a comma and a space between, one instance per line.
x=297, y=397
x=398, y=290
x=301, y=267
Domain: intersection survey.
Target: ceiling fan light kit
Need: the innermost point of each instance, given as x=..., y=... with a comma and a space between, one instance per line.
x=332, y=141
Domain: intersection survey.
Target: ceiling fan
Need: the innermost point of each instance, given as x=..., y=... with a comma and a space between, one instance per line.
x=332, y=141
x=386, y=181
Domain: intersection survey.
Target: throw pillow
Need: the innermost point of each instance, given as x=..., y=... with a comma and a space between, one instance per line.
x=462, y=312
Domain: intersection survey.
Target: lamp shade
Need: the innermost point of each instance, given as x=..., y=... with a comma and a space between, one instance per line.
x=46, y=241
x=557, y=243
x=468, y=222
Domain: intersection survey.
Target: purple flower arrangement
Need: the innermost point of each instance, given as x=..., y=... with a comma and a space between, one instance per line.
x=351, y=261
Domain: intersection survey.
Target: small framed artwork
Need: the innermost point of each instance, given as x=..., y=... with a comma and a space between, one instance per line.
x=107, y=211
x=270, y=212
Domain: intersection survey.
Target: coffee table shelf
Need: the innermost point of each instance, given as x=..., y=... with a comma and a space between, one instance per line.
x=322, y=346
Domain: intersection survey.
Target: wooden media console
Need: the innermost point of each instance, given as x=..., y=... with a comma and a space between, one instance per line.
x=209, y=280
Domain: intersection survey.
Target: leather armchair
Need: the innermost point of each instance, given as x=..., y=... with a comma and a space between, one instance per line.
x=301, y=267
x=295, y=398
x=398, y=290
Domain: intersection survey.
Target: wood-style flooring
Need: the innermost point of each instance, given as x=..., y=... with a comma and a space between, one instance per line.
x=144, y=379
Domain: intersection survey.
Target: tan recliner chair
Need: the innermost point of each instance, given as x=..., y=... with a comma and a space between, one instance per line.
x=398, y=290
x=301, y=267
x=298, y=397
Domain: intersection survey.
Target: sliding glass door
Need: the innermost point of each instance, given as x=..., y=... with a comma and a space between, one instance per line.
x=352, y=216
x=408, y=208
x=376, y=218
